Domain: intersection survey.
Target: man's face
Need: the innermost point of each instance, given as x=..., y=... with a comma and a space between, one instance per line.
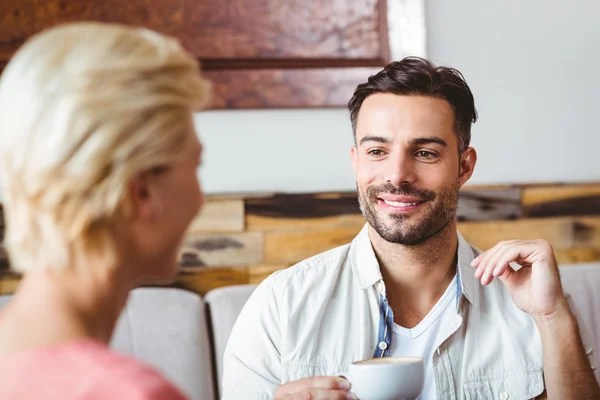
x=407, y=166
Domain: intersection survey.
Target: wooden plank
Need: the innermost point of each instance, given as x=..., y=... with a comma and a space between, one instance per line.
x=304, y=205
x=537, y=195
x=285, y=88
x=586, y=232
x=563, y=233
x=9, y=283
x=237, y=196
x=206, y=279
x=3, y=259
x=485, y=235
x=292, y=247
x=235, y=249
x=561, y=201
x=263, y=223
x=222, y=30
x=490, y=204
x=219, y=216
x=576, y=256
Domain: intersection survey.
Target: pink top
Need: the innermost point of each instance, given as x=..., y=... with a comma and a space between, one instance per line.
x=85, y=369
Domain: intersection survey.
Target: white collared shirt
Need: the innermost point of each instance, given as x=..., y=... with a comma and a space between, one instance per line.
x=319, y=316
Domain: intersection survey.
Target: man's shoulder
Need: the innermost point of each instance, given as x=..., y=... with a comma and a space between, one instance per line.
x=316, y=267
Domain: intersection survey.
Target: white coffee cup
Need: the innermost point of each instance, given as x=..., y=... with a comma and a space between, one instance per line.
x=390, y=378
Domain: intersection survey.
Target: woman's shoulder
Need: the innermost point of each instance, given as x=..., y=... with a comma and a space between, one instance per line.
x=83, y=369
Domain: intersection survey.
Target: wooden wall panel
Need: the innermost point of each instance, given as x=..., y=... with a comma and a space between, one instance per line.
x=291, y=247
x=243, y=239
x=285, y=88
x=547, y=193
x=269, y=224
x=4, y=265
x=265, y=54
x=300, y=206
x=276, y=29
x=219, y=216
x=220, y=250
x=223, y=30
x=561, y=200
x=576, y=256
x=484, y=235
x=208, y=278
x=489, y=204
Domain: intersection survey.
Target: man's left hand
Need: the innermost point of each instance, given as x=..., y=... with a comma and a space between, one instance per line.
x=535, y=287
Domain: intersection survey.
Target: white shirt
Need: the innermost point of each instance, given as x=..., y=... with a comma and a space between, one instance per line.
x=426, y=337
x=319, y=316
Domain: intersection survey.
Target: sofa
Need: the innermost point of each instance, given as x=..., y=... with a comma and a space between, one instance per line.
x=184, y=336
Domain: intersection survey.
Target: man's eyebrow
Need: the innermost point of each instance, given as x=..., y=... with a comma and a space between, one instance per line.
x=428, y=140
x=378, y=139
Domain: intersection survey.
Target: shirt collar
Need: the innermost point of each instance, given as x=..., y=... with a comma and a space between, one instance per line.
x=466, y=273
x=366, y=267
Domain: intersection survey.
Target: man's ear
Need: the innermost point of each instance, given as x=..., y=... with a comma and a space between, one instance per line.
x=468, y=159
x=354, y=157
x=144, y=200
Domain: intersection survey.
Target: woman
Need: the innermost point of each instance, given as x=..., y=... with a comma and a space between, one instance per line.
x=98, y=162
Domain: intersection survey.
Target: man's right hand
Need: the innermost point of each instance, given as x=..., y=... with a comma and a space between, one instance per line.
x=316, y=388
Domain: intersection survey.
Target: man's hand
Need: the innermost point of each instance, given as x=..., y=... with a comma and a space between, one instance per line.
x=535, y=288
x=315, y=388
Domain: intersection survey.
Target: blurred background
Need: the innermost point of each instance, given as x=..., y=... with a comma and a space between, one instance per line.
x=278, y=135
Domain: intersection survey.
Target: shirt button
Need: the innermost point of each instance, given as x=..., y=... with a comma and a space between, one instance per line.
x=383, y=346
x=503, y=396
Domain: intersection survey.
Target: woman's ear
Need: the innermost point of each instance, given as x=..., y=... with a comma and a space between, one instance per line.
x=145, y=202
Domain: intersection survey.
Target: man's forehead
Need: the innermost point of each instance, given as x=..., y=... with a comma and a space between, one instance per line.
x=389, y=114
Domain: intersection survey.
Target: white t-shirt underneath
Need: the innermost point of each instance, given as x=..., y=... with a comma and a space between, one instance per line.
x=424, y=339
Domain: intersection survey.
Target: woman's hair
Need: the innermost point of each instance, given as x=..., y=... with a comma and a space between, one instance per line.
x=86, y=107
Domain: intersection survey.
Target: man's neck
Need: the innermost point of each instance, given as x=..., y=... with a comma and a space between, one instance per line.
x=416, y=276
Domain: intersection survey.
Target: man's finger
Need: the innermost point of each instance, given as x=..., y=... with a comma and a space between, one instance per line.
x=316, y=382
x=320, y=394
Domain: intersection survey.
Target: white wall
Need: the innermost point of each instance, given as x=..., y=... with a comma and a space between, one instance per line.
x=534, y=67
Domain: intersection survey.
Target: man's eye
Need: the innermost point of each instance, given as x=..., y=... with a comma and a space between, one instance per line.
x=425, y=154
x=375, y=152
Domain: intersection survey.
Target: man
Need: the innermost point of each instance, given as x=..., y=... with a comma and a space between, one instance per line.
x=407, y=284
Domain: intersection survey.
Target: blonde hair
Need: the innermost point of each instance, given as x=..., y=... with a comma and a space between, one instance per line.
x=84, y=108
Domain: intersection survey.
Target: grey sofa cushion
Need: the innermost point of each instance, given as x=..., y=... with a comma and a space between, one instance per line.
x=581, y=282
x=225, y=305
x=166, y=328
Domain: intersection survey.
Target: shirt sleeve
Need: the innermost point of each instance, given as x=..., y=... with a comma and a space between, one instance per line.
x=252, y=360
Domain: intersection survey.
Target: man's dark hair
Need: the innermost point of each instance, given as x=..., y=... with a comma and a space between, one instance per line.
x=414, y=76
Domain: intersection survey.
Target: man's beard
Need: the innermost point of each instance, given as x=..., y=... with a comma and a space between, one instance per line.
x=437, y=212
